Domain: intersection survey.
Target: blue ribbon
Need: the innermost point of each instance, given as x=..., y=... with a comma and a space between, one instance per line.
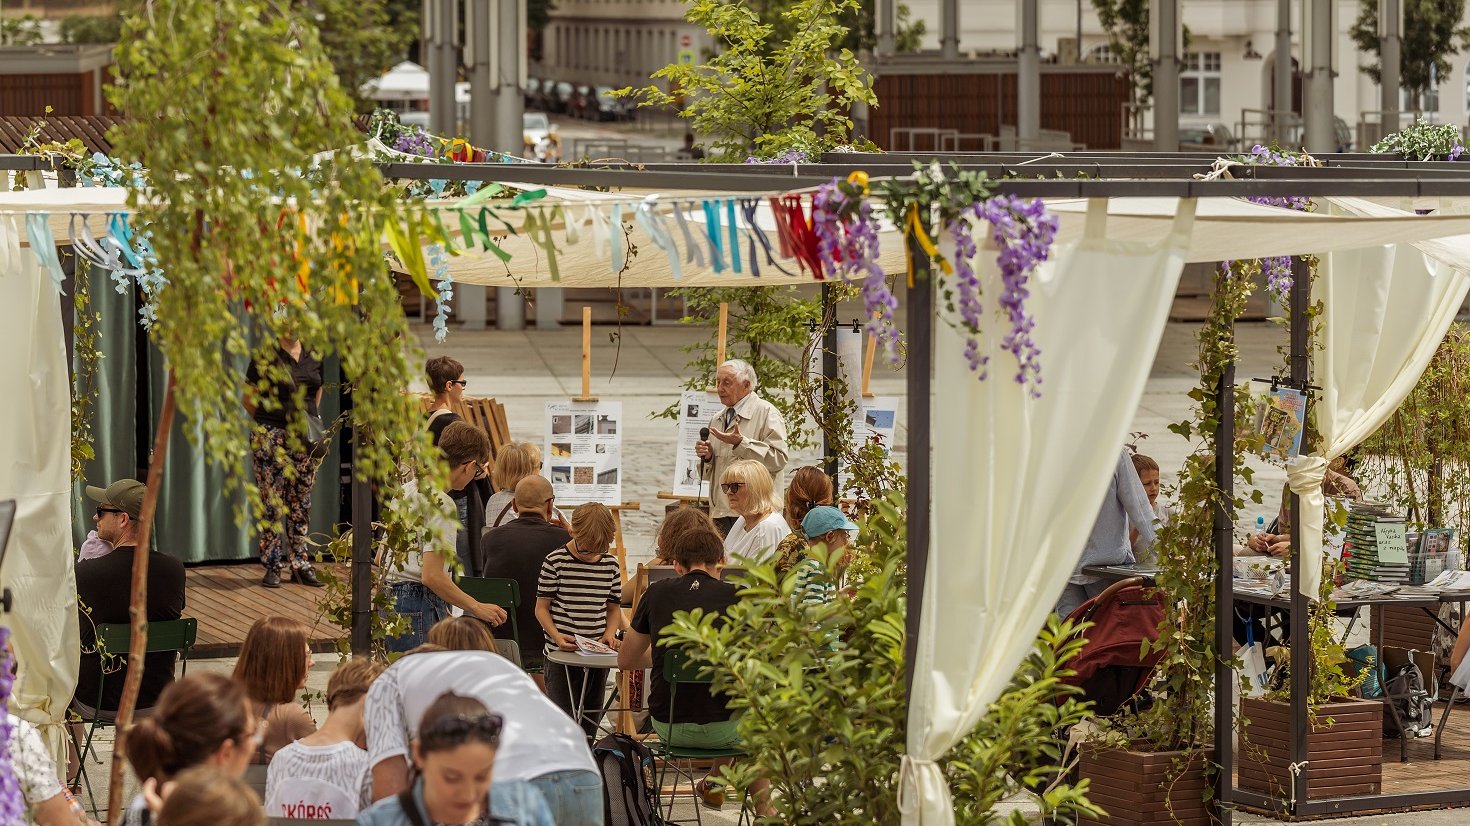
x=43, y=246
x=734, y=235
x=614, y=237
x=657, y=228
x=692, y=253
x=712, y=232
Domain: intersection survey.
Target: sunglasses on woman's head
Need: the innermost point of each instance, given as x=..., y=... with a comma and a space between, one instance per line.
x=462, y=726
x=731, y=487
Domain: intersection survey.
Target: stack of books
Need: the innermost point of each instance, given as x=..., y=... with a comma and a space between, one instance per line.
x=1360, y=549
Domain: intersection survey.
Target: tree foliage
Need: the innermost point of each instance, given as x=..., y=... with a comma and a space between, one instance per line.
x=1126, y=22
x=77, y=28
x=1432, y=32
x=771, y=86
x=820, y=691
x=362, y=38
x=247, y=241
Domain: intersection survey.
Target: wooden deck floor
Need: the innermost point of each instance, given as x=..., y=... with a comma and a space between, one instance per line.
x=228, y=599
x=1423, y=773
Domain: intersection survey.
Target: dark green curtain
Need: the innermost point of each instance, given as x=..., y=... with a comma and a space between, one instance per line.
x=196, y=519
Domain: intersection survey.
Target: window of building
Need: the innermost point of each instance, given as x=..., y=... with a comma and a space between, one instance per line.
x=1199, y=84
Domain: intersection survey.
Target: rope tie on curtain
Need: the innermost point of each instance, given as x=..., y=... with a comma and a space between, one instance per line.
x=909, y=767
x=1219, y=170
x=1304, y=475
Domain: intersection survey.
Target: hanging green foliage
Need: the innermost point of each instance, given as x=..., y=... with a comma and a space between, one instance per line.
x=244, y=242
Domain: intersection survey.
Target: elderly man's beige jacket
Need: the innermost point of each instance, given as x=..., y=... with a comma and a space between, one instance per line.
x=763, y=433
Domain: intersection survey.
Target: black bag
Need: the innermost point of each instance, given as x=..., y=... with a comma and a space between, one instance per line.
x=628, y=778
x=1412, y=702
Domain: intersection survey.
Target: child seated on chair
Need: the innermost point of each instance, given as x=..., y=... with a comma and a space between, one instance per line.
x=324, y=775
x=579, y=593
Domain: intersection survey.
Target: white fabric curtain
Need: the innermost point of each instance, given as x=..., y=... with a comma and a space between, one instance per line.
x=1017, y=480
x=35, y=428
x=1385, y=311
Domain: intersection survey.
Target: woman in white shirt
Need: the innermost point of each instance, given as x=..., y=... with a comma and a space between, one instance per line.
x=760, y=526
x=324, y=776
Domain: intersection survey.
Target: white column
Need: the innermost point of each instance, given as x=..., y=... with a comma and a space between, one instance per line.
x=1318, y=36
x=1028, y=77
x=1164, y=46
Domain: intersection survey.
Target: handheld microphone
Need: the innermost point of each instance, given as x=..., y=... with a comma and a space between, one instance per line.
x=704, y=463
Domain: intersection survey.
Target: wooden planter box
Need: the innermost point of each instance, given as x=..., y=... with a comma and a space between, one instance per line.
x=1134, y=787
x=1344, y=758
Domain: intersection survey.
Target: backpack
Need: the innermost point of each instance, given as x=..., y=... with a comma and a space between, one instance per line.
x=1404, y=688
x=628, y=781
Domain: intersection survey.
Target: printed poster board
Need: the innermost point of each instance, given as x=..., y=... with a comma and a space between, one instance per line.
x=877, y=423
x=696, y=409
x=583, y=453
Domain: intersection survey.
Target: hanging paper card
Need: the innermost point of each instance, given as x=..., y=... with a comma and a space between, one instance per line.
x=1393, y=546
x=1280, y=421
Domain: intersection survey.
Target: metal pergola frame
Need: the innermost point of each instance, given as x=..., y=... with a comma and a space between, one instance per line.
x=1050, y=175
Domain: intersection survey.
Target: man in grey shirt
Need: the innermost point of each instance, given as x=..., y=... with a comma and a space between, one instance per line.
x=1125, y=503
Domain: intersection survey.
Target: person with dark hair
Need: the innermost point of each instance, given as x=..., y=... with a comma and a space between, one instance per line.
x=681, y=520
x=422, y=586
x=274, y=661
x=540, y=744
x=701, y=719
x=455, y=754
x=200, y=720
x=809, y=488
x=446, y=380
x=206, y=796
x=285, y=474
x=324, y=776
x=103, y=597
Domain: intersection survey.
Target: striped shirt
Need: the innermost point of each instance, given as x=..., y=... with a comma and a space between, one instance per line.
x=579, y=592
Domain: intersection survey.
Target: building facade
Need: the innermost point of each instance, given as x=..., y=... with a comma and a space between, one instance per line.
x=616, y=42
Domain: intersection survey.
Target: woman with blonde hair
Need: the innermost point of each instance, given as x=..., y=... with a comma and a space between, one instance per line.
x=325, y=776
x=513, y=463
x=273, y=664
x=760, y=527
x=809, y=488
x=206, y=796
x=462, y=634
x=680, y=522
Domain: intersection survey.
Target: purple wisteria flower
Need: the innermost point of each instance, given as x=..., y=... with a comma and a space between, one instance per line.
x=1277, y=269
x=12, y=803
x=968, y=287
x=416, y=142
x=1023, y=231
x=847, y=243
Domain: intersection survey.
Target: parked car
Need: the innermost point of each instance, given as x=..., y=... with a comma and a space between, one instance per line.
x=607, y=107
x=1208, y=137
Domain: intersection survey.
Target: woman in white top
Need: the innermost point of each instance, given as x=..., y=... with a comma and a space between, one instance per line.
x=46, y=802
x=760, y=526
x=324, y=776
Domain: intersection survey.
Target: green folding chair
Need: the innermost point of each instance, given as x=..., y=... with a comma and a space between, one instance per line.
x=507, y=594
x=681, y=669
x=177, y=636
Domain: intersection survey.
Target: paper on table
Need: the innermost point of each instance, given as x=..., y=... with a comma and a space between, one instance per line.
x=1393, y=545
x=587, y=645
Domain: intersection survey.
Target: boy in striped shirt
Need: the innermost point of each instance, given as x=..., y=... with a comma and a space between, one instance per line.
x=579, y=593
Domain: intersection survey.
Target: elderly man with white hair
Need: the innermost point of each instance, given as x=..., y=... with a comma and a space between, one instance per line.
x=748, y=428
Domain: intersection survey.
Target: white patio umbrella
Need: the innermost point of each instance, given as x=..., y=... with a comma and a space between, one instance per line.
x=406, y=81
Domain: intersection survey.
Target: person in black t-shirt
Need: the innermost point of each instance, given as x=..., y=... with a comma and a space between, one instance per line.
x=694, y=717
x=104, y=597
x=285, y=476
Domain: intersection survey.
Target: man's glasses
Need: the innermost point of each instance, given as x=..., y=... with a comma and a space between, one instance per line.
x=462, y=727
x=731, y=487
x=101, y=509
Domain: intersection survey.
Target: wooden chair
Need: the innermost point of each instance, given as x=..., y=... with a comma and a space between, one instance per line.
x=483, y=412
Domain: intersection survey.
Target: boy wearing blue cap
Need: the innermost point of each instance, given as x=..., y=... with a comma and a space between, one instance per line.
x=827, y=525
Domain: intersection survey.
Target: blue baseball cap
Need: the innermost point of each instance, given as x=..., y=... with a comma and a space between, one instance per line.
x=823, y=519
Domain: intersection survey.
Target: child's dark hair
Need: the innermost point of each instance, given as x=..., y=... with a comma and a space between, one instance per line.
x=1142, y=463
x=453, y=720
x=699, y=548
x=440, y=371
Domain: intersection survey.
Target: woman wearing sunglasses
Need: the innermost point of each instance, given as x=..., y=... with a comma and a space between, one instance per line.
x=760, y=527
x=455, y=757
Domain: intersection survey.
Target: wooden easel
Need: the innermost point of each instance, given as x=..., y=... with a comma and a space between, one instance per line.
x=586, y=358
x=720, y=338
x=868, y=366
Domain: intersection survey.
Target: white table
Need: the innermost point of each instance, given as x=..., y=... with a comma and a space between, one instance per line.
x=578, y=659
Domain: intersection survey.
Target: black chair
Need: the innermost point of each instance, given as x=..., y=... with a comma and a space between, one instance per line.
x=681, y=669
x=507, y=594
x=177, y=636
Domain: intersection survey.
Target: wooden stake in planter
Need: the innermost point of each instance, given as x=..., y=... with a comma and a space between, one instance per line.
x=138, y=610
x=586, y=357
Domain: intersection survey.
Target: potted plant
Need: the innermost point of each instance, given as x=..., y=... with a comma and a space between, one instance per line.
x=1158, y=766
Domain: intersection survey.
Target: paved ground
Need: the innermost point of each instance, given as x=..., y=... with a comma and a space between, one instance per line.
x=525, y=370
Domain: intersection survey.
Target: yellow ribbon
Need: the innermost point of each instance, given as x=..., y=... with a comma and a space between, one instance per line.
x=410, y=252
x=916, y=231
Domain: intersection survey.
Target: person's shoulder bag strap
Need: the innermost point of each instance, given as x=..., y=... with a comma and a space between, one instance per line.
x=503, y=512
x=410, y=809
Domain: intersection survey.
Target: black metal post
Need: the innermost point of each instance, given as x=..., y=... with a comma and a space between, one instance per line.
x=829, y=376
x=1224, y=593
x=362, y=555
x=1301, y=642
x=920, y=370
